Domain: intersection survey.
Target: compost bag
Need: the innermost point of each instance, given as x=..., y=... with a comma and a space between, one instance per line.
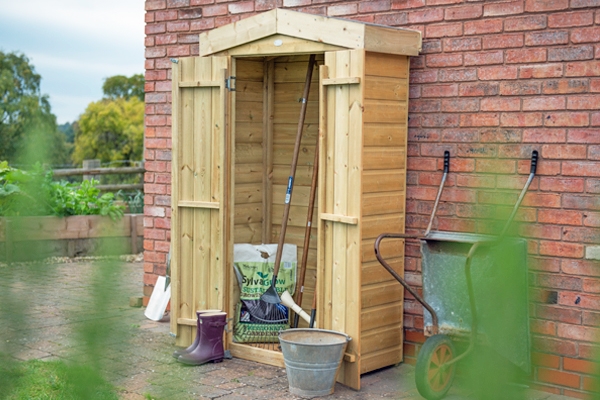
x=254, y=265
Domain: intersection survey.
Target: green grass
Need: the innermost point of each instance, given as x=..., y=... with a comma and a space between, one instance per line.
x=52, y=380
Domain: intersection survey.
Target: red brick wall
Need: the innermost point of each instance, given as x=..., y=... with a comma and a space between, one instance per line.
x=496, y=80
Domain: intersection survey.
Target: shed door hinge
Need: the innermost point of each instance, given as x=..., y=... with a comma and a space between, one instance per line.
x=230, y=83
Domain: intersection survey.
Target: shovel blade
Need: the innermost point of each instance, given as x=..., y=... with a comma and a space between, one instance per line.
x=158, y=300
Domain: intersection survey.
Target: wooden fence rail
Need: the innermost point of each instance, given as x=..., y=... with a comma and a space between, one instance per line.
x=98, y=171
x=105, y=171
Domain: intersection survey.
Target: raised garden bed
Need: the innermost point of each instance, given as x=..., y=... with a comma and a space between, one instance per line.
x=27, y=238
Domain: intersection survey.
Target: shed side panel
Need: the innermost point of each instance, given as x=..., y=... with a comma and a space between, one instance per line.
x=383, y=199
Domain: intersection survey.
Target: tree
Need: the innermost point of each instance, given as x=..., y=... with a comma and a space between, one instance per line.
x=25, y=114
x=68, y=130
x=126, y=87
x=110, y=130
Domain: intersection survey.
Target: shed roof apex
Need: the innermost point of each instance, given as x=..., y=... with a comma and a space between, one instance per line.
x=314, y=28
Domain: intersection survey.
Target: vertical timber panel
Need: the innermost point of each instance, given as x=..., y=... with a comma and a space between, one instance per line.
x=202, y=150
x=268, y=104
x=340, y=192
x=323, y=307
x=353, y=238
x=341, y=241
x=216, y=292
x=222, y=294
x=249, y=150
x=186, y=179
x=175, y=229
x=327, y=152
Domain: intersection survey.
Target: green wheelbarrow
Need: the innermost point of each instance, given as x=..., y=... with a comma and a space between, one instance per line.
x=461, y=274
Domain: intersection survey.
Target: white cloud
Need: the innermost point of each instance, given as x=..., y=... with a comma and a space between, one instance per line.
x=45, y=61
x=109, y=19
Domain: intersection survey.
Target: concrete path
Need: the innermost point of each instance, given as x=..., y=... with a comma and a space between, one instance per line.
x=48, y=312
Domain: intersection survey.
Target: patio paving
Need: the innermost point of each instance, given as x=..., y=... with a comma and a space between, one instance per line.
x=49, y=311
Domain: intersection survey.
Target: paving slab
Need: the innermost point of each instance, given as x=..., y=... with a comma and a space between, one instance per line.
x=60, y=303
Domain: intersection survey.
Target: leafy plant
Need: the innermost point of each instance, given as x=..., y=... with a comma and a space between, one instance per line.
x=134, y=201
x=85, y=199
x=35, y=193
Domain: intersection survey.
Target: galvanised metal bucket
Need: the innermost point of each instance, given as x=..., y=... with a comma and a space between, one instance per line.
x=312, y=358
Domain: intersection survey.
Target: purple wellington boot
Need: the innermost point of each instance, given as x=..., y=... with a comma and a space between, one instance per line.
x=210, y=346
x=194, y=344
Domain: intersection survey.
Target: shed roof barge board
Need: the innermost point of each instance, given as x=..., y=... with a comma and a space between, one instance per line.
x=282, y=31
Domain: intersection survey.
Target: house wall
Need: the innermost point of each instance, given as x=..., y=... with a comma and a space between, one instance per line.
x=496, y=80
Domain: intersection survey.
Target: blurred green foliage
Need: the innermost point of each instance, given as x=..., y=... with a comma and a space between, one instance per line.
x=27, y=129
x=495, y=369
x=34, y=193
x=37, y=379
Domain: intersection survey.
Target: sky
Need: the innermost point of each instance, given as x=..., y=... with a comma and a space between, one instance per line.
x=74, y=45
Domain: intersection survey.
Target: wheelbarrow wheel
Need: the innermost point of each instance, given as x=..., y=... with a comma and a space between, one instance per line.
x=432, y=376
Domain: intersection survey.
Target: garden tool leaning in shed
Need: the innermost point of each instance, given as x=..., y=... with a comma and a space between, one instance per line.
x=309, y=216
x=288, y=301
x=270, y=295
x=160, y=295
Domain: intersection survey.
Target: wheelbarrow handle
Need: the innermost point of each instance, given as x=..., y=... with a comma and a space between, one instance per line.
x=534, y=161
x=446, y=161
x=439, y=194
x=413, y=292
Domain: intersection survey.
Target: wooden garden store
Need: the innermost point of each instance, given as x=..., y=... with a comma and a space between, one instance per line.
x=234, y=120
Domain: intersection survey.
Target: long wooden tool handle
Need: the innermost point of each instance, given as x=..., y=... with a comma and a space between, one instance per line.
x=288, y=195
x=313, y=310
x=307, y=230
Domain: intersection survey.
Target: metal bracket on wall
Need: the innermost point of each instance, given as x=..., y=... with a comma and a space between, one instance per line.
x=230, y=83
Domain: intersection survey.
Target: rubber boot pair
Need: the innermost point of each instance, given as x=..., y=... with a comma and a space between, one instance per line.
x=192, y=346
x=209, y=336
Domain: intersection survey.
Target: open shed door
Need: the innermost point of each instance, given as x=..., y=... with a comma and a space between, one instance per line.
x=198, y=192
x=339, y=270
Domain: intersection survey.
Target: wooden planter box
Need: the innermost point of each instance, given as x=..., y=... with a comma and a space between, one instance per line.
x=231, y=159
x=28, y=238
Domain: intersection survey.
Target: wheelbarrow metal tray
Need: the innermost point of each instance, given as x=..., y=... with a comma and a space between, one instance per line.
x=499, y=276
